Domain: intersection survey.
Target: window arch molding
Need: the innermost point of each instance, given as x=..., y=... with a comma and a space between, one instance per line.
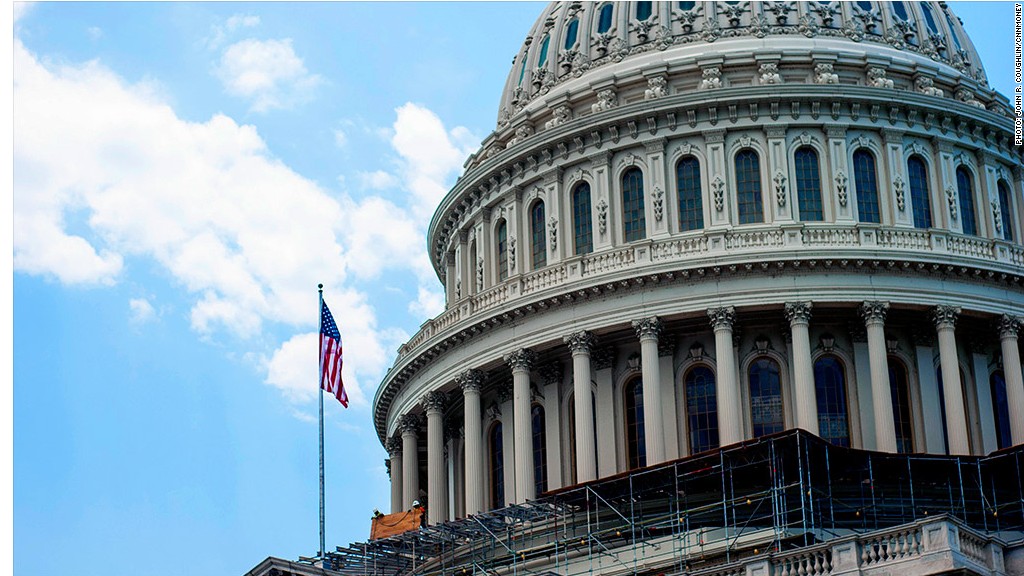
x=731, y=192
x=850, y=388
x=673, y=208
x=825, y=175
x=617, y=210
x=622, y=379
x=537, y=232
x=703, y=363
x=784, y=377
x=491, y=490
x=679, y=372
x=501, y=268
x=855, y=185
x=916, y=407
x=567, y=227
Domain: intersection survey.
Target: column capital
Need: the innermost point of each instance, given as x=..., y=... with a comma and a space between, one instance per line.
x=409, y=424
x=521, y=359
x=945, y=316
x=580, y=342
x=874, y=311
x=471, y=380
x=722, y=318
x=647, y=327
x=435, y=401
x=798, y=312
x=393, y=446
x=1009, y=326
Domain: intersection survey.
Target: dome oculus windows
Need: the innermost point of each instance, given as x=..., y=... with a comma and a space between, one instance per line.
x=1005, y=216
x=765, y=396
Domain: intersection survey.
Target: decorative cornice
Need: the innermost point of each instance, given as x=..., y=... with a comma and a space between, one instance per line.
x=722, y=318
x=873, y=311
x=945, y=316
x=1008, y=326
x=471, y=380
x=581, y=342
x=409, y=424
x=521, y=359
x=798, y=312
x=647, y=328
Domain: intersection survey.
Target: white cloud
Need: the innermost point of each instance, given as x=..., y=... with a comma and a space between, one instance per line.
x=95, y=32
x=268, y=72
x=21, y=9
x=377, y=180
x=236, y=21
x=340, y=139
x=219, y=32
x=428, y=303
x=141, y=310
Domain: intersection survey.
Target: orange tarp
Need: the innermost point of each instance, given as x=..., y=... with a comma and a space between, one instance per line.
x=388, y=525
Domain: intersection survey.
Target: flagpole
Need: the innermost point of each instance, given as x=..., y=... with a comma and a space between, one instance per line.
x=320, y=314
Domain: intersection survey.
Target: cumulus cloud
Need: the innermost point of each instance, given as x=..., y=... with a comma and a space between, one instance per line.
x=141, y=311
x=267, y=72
x=377, y=180
x=219, y=33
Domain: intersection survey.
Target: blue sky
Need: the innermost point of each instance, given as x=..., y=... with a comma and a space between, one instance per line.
x=184, y=175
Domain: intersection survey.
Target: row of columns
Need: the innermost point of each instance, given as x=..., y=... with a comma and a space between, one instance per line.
x=404, y=455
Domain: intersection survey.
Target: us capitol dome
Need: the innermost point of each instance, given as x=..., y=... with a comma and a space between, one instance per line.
x=731, y=288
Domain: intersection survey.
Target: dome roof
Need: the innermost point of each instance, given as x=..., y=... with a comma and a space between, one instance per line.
x=576, y=45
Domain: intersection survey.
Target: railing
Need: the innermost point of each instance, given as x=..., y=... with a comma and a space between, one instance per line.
x=973, y=547
x=608, y=261
x=489, y=298
x=672, y=249
x=754, y=239
x=830, y=237
x=904, y=239
x=970, y=246
x=804, y=563
x=544, y=278
x=890, y=546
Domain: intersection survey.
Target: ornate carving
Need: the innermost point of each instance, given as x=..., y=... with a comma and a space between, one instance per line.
x=873, y=311
x=522, y=133
x=560, y=115
x=781, y=11
x=606, y=100
x=580, y=342
x=841, y=181
x=780, y=188
x=435, y=401
x=551, y=373
x=1008, y=326
x=898, y=185
x=521, y=359
x=722, y=318
x=876, y=78
x=512, y=253
x=656, y=88
x=659, y=203
x=826, y=12
x=479, y=274
x=926, y=86
x=711, y=78
x=823, y=74
x=951, y=200
x=393, y=446
x=471, y=380
x=798, y=312
x=603, y=357
x=967, y=97
x=409, y=424
x=827, y=342
x=769, y=74
x=718, y=191
x=553, y=233
x=734, y=12
x=666, y=345
x=945, y=316
x=647, y=327
x=504, y=393
x=602, y=216
x=686, y=18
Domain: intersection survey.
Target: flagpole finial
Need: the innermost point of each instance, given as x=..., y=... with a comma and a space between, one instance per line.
x=320, y=287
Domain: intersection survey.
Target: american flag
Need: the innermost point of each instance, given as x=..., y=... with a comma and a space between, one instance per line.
x=330, y=356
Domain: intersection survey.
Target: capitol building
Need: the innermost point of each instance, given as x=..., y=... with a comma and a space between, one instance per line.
x=732, y=288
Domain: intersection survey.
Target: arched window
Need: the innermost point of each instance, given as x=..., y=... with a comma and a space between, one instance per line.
x=920, y=197
x=899, y=387
x=691, y=208
x=472, y=288
x=502, y=246
x=952, y=32
x=928, y=18
x=808, y=184
x=765, y=397
x=901, y=10
x=522, y=69
x=701, y=409
x=965, y=192
x=748, y=187
x=542, y=58
x=866, y=179
x=643, y=10
x=582, y=227
x=687, y=5
x=634, y=225
x=540, y=450
x=538, y=242
x=864, y=5
x=570, y=33
x=1004, y=210
x=830, y=390
x=1001, y=409
x=497, y=467
x=636, y=445
x=604, y=22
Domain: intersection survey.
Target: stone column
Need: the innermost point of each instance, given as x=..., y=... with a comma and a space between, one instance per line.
x=881, y=396
x=799, y=316
x=434, y=404
x=394, y=448
x=521, y=361
x=1008, y=329
x=956, y=420
x=727, y=401
x=470, y=380
x=580, y=344
x=409, y=425
x=647, y=330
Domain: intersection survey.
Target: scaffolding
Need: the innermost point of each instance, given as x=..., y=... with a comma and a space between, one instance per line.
x=763, y=496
